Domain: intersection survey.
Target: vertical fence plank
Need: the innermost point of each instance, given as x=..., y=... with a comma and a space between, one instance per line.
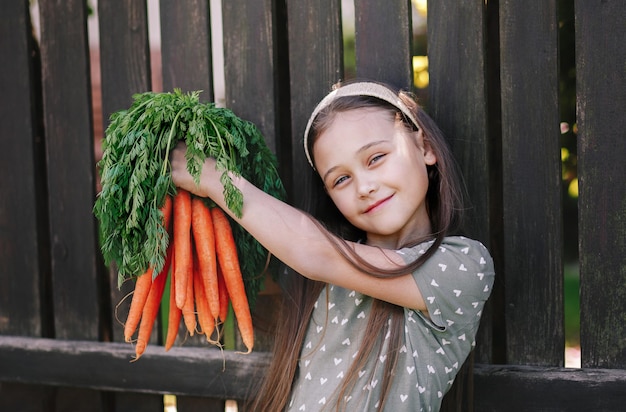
x=24, y=258
x=384, y=54
x=186, y=64
x=315, y=64
x=125, y=70
x=601, y=96
x=71, y=182
x=124, y=53
x=24, y=229
x=494, y=313
x=251, y=75
x=458, y=98
x=532, y=182
x=69, y=145
x=251, y=92
x=458, y=104
x=250, y=64
x=186, y=46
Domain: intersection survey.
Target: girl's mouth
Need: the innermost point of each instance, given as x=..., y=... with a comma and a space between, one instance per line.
x=377, y=204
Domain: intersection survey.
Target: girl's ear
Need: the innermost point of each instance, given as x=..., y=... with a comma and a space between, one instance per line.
x=427, y=151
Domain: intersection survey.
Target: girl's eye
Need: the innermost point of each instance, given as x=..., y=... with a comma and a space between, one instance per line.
x=376, y=158
x=339, y=180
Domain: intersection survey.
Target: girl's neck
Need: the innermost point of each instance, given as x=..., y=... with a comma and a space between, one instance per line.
x=399, y=240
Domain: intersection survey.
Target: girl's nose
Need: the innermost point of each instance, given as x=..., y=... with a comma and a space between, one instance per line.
x=366, y=186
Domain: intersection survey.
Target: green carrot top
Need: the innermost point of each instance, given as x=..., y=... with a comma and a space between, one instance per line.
x=135, y=176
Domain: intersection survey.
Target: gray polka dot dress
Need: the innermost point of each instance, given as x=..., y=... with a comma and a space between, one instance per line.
x=455, y=283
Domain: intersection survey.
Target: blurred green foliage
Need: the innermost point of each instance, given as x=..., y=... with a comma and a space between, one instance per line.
x=572, y=305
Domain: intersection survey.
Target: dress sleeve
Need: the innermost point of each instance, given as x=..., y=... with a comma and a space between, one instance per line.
x=455, y=281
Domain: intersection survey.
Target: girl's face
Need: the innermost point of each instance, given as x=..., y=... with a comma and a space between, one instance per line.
x=374, y=170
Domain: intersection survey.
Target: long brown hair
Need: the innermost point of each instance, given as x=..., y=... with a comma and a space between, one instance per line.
x=444, y=204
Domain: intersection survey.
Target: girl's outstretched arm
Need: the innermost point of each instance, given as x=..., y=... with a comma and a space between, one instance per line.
x=296, y=240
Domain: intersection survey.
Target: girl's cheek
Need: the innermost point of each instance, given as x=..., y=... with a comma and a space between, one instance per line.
x=342, y=204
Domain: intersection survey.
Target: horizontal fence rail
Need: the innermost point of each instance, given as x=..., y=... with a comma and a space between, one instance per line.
x=109, y=367
x=210, y=373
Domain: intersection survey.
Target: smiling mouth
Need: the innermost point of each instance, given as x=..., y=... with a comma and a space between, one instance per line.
x=375, y=205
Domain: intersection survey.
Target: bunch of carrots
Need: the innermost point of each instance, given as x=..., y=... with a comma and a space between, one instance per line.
x=205, y=277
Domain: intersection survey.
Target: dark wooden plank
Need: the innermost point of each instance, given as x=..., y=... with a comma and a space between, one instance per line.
x=383, y=34
x=492, y=348
x=124, y=53
x=69, y=145
x=524, y=388
x=315, y=64
x=24, y=258
x=198, y=404
x=250, y=71
x=137, y=402
x=186, y=42
x=531, y=158
x=458, y=103
x=458, y=97
x=26, y=397
x=196, y=372
x=124, y=70
x=23, y=238
x=186, y=46
x=125, y=401
x=601, y=97
x=75, y=259
x=181, y=371
x=250, y=64
x=187, y=65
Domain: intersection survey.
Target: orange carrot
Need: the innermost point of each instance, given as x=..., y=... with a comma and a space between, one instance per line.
x=204, y=240
x=140, y=294
x=143, y=283
x=229, y=263
x=206, y=321
x=151, y=308
x=182, y=243
x=166, y=209
x=188, y=309
x=173, y=320
x=223, y=293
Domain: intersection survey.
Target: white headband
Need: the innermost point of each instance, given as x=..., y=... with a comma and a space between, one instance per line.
x=357, y=89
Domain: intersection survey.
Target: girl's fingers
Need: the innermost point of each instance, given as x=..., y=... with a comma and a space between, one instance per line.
x=177, y=157
x=180, y=175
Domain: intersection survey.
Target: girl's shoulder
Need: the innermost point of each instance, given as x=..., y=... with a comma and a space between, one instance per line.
x=455, y=281
x=452, y=247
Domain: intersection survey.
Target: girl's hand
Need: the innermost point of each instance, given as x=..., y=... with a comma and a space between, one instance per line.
x=182, y=178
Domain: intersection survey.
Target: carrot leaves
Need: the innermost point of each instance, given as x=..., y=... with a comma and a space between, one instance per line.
x=135, y=176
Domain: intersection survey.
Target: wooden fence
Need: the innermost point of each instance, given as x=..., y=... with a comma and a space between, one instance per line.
x=494, y=89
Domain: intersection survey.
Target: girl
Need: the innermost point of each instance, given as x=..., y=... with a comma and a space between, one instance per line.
x=388, y=302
